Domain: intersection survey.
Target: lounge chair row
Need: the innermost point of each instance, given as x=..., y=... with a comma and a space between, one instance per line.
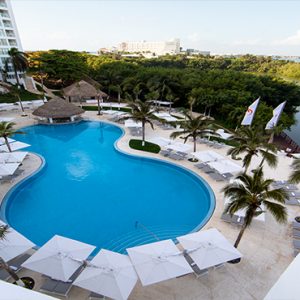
x=211, y=143
x=233, y=219
x=213, y=173
x=176, y=155
x=296, y=237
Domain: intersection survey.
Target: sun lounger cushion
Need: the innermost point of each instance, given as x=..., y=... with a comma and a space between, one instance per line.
x=296, y=244
x=296, y=225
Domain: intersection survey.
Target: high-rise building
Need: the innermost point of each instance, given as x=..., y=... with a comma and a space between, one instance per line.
x=157, y=48
x=9, y=38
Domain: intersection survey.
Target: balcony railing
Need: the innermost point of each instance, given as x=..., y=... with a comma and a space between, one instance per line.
x=3, y=4
x=3, y=15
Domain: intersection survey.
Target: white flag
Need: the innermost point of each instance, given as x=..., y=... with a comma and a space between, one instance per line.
x=249, y=115
x=276, y=115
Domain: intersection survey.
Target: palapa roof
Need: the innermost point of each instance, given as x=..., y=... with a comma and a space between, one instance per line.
x=83, y=89
x=58, y=108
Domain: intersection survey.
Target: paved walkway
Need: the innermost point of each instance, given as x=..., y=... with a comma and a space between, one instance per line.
x=267, y=247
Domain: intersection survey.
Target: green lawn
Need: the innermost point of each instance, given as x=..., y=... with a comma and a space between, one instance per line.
x=25, y=96
x=95, y=108
x=149, y=147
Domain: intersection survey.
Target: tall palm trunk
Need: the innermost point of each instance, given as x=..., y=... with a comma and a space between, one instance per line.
x=240, y=236
x=21, y=105
x=143, y=133
x=7, y=144
x=11, y=272
x=99, y=106
x=262, y=162
x=119, y=98
x=16, y=75
x=195, y=143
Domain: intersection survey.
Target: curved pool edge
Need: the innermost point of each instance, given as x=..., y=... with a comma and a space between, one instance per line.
x=166, y=162
x=15, y=187
x=141, y=155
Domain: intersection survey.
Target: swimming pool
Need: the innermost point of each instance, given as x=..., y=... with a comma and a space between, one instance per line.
x=90, y=191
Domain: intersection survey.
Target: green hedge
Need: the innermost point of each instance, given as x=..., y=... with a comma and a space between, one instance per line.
x=95, y=108
x=149, y=147
x=24, y=95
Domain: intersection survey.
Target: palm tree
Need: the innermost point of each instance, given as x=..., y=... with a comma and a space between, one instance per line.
x=295, y=176
x=19, y=62
x=3, y=231
x=16, y=93
x=6, y=130
x=194, y=127
x=252, y=142
x=141, y=112
x=250, y=193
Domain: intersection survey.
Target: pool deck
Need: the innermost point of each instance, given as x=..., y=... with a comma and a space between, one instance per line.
x=266, y=246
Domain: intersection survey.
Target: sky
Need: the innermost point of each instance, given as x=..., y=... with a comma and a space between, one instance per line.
x=223, y=27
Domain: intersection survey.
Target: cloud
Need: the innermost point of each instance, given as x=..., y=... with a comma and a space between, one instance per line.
x=253, y=42
x=293, y=40
x=193, y=37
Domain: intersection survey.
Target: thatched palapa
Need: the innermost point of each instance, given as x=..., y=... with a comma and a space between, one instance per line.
x=59, y=110
x=83, y=89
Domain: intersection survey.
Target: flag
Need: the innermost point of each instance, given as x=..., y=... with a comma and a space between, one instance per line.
x=249, y=115
x=276, y=115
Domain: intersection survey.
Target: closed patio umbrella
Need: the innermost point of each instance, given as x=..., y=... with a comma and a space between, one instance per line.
x=208, y=248
x=225, y=166
x=59, y=258
x=109, y=274
x=158, y=261
x=177, y=146
x=207, y=156
x=14, y=244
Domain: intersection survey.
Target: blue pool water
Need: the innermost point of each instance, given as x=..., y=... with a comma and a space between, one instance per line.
x=92, y=192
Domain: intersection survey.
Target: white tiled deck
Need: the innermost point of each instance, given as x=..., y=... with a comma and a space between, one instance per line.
x=267, y=247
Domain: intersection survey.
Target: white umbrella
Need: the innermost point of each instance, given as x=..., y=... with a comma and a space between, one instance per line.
x=8, y=169
x=158, y=261
x=208, y=248
x=224, y=135
x=13, y=244
x=225, y=166
x=207, y=156
x=131, y=123
x=180, y=147
x=14, y=146
x=109, y=274
x=59, y=258
x=6, y=119
x=161, y=141
x=2, y=141
x=12, y=292
x=12, y=157
x=109, y=112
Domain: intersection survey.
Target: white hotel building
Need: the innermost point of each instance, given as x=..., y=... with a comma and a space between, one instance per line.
x=9, y=37
x=157, y=48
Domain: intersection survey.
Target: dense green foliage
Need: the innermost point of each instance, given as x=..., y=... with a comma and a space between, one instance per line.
x=148, y=147
x=24, y=95
x=221, y=87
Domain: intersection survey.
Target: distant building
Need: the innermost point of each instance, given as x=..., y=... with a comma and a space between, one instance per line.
x=9, y=38
x=197, y=52
x=288, y=58
x=156, y=48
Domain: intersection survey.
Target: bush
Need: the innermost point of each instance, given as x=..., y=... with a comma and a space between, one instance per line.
x=149, y=147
